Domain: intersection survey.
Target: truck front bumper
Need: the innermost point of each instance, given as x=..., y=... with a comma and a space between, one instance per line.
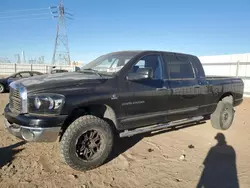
x=32, y=128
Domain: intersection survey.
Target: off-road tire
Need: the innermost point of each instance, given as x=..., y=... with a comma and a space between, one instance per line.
x=2, y=88
x=228, y=99
x=224, y=108
x=70, y=137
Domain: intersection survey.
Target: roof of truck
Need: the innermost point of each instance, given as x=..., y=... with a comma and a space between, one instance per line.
x=150, y=51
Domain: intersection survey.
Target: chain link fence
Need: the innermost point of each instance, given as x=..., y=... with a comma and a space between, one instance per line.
x=8, y=69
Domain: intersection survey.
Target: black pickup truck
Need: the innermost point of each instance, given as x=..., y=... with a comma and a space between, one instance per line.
x=122, y=93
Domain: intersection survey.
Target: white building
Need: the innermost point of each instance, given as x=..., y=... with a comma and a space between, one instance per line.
x=229, y=65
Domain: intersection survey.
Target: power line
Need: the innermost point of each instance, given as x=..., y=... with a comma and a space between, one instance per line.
x=23, y=10
x=24, y=15
x=68, y=10
x=38, y=18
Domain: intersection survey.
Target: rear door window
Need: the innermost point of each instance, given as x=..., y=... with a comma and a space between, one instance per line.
x=179, y=67
x=197, y=64
x=180, y=70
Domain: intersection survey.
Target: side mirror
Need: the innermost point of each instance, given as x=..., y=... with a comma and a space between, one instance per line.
x=140, y=74
x=137, y=76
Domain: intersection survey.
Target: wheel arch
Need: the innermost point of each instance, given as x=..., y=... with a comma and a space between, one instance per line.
x=227, y=94
x=103, y=111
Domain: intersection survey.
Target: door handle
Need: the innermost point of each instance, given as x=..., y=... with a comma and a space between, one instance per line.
x=197, y=86
x=161, y=89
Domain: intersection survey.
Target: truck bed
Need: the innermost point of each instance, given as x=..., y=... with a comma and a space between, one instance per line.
x=221, y=80
x=220, y=77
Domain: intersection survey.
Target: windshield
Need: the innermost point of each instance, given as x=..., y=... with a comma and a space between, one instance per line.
x=111, y=63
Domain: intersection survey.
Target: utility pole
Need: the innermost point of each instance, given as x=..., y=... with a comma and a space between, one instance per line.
x=18, y=61
x=61, y=54
x=23, y=57
x=41, y=60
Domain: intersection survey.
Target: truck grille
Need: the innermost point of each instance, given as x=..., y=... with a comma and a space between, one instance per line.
x=15, y=100
x=18, y=99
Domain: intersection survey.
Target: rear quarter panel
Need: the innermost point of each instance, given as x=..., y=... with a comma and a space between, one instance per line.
x=221, y=86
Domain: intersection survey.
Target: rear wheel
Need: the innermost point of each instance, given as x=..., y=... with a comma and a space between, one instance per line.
x=228, y=99
x=86, y=143
x=223, y=116
x=2, y=89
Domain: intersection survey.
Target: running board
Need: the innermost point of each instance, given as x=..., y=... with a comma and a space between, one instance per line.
x=157, y=127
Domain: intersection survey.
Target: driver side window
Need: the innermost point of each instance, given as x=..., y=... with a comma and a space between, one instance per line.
x=151, y=64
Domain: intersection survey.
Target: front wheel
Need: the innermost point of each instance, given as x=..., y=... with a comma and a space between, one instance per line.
x=87, y=143
x=223, y=116
x=2, y=88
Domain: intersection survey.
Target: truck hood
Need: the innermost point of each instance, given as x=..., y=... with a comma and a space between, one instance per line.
x=59, y=80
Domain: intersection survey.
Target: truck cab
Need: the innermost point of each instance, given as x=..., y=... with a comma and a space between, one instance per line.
x=164, y=86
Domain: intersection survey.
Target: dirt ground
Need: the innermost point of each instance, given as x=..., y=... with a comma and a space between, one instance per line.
x=185, y=158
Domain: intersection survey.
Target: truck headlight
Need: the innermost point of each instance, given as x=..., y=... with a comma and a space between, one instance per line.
x=45, y=103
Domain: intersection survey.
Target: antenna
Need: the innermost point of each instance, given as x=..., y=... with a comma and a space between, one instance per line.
x=61, y=54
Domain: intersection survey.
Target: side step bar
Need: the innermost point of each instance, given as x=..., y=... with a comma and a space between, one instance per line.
x=128, y=133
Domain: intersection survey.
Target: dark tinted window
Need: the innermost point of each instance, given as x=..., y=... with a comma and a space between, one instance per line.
x=169, y=57
x=180, y=69
x=152, y=62
x=198, y=66
x=181, y=57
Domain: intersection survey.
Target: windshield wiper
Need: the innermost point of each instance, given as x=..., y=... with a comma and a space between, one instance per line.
x=92, y=71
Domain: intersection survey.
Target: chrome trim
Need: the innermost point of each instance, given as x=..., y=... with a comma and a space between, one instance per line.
x=23, y=96
x=14, y=130
x=40, y=134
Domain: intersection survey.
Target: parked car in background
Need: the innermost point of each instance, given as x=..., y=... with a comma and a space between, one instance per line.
x=4, y=82
x=58, y=71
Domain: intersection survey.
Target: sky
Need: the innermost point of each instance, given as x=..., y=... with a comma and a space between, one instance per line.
x=189, y=26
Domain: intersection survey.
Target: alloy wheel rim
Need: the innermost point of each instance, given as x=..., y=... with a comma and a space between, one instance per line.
x=88, y=145
x=1, y=88
x=225, y=116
